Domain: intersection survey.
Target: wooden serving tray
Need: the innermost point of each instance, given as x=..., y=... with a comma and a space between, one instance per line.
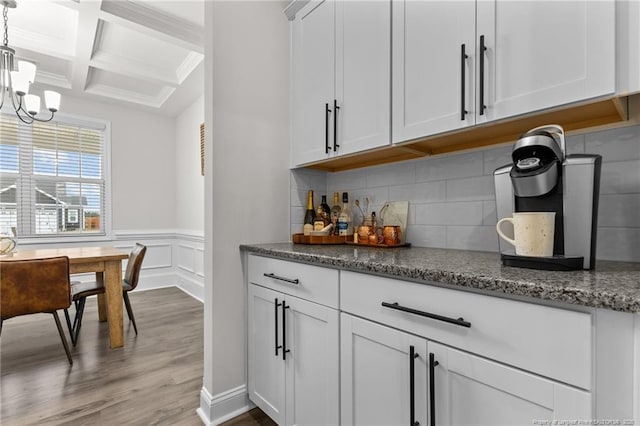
x=351, y=243
x=319, y=239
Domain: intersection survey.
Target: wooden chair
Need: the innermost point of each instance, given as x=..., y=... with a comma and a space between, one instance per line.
x=35, y=286
x=81, y=290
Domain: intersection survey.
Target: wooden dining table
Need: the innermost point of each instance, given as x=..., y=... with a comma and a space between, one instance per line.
x=106, y=263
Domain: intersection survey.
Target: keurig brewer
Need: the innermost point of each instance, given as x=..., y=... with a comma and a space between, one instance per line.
x=542, y=178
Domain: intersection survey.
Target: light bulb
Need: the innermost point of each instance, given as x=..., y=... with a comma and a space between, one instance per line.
x=32, y=103
x=29, y=69
x=20, y=83
x=52, y=100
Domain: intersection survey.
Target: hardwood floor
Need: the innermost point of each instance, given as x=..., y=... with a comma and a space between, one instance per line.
x=154, y=380
x=255, y=417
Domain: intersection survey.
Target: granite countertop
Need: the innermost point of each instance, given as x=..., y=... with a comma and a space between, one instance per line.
x=612, y=285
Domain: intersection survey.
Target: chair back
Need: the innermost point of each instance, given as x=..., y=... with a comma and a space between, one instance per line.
x=134, y=265
x=34, y=286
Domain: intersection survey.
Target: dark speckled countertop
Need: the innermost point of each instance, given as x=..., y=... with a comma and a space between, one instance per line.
x=612, y=285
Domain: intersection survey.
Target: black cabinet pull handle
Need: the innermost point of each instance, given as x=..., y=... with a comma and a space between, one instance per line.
x=327, y=111
x=277, y=305
x=460, y=321
x=483, y=49
x=284, y=331
x=463, y=63
x=335, y=125
x=432, y=389
x=287, y=280
x=412, y=387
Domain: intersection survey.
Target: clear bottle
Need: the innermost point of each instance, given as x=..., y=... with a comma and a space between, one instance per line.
x=345, y=218
x=335, y=212
x=309, y=215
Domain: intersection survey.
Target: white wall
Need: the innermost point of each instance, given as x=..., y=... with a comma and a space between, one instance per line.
x=246, y=180
x=143, y=167
x=189, y=181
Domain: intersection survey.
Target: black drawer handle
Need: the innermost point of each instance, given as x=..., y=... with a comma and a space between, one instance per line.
x=483, y=48
x=460, y=321
x=463, y=77
x=277, y=305
x=284, y=331
x=287, y=280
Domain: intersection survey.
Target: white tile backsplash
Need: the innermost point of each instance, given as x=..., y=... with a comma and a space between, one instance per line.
x=449, y=167
x=452, y=202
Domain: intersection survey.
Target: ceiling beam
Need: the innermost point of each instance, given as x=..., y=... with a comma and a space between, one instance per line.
x=154, y=22
x=88, y=12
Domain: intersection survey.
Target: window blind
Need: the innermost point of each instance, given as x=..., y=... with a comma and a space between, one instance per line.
x=52, y=177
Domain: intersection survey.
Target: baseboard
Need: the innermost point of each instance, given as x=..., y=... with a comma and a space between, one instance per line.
x=190, y=286
x=224, y=406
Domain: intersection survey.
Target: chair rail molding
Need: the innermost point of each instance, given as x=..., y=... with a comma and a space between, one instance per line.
x=175, y=258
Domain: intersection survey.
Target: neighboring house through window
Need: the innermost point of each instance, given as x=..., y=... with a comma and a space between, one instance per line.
x=53, y=177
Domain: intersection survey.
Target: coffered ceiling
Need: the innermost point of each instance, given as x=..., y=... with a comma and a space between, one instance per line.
x=142, y=53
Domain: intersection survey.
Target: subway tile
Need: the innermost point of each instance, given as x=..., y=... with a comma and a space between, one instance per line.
x=346, y=181
x=616, y=144
x=619, y=210
x=476, y=188
x=622, y=244
x=496, y=157
x=482, y=238
x=419, y=192
x=489, y=213
x=307, y=178
x=427, y=236
x=460, y=213
x=394, y=174
x=298, y=197
x=449, y=167
x=620, y=177
x=575, y=144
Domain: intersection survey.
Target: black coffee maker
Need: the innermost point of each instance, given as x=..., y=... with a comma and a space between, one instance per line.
x=542, y=178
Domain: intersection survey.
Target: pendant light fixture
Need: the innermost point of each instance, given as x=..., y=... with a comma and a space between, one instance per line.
x=16, y=80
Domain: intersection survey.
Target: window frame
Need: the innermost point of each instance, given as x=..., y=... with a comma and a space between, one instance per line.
x=107, y=233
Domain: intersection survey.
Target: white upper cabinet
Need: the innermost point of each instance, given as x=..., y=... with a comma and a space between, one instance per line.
x=545, y=54
x=433, y=84
x=342, y=78
x=519, y=57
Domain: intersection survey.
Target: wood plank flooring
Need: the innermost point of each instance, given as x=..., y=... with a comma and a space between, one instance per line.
x=154, y=380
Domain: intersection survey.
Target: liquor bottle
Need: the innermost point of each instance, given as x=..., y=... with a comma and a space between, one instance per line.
x=325, y=207
x=322, y=219
x=335, y=212
x=345, y=218
x=309, y=215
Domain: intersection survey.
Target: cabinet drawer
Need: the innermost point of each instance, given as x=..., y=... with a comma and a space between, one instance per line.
x=313, y=283
x=553, y=342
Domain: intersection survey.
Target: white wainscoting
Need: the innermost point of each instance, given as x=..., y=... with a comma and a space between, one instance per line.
x=173, y=258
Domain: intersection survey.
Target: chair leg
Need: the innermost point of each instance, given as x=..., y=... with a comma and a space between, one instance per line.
x=62, y=337
x=74, y=329
x=125, y=296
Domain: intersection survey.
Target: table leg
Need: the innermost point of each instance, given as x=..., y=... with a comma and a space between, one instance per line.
x=102, y=303
x=113, y=295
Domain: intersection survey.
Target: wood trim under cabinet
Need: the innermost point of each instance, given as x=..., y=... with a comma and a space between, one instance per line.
x=575, y=118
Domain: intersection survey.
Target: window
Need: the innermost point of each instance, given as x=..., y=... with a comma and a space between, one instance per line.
x=53, y=177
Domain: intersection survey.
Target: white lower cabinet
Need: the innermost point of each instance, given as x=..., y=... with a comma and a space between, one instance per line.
x=390, y=377
x=470, y=390
x=293, y=358
x=377, y=377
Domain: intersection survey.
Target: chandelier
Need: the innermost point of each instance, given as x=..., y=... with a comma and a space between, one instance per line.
x=15, y=81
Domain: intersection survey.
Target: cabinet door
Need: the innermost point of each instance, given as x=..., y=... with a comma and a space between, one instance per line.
x=474, y=391
x=313, y=77
x=428, y=66
x=542, y=54
x=375, y=374
x=363, y=74
x=266, y=367
x=312, y=364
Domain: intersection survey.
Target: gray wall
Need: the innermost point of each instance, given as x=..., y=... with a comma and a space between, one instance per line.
x=452, y=201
